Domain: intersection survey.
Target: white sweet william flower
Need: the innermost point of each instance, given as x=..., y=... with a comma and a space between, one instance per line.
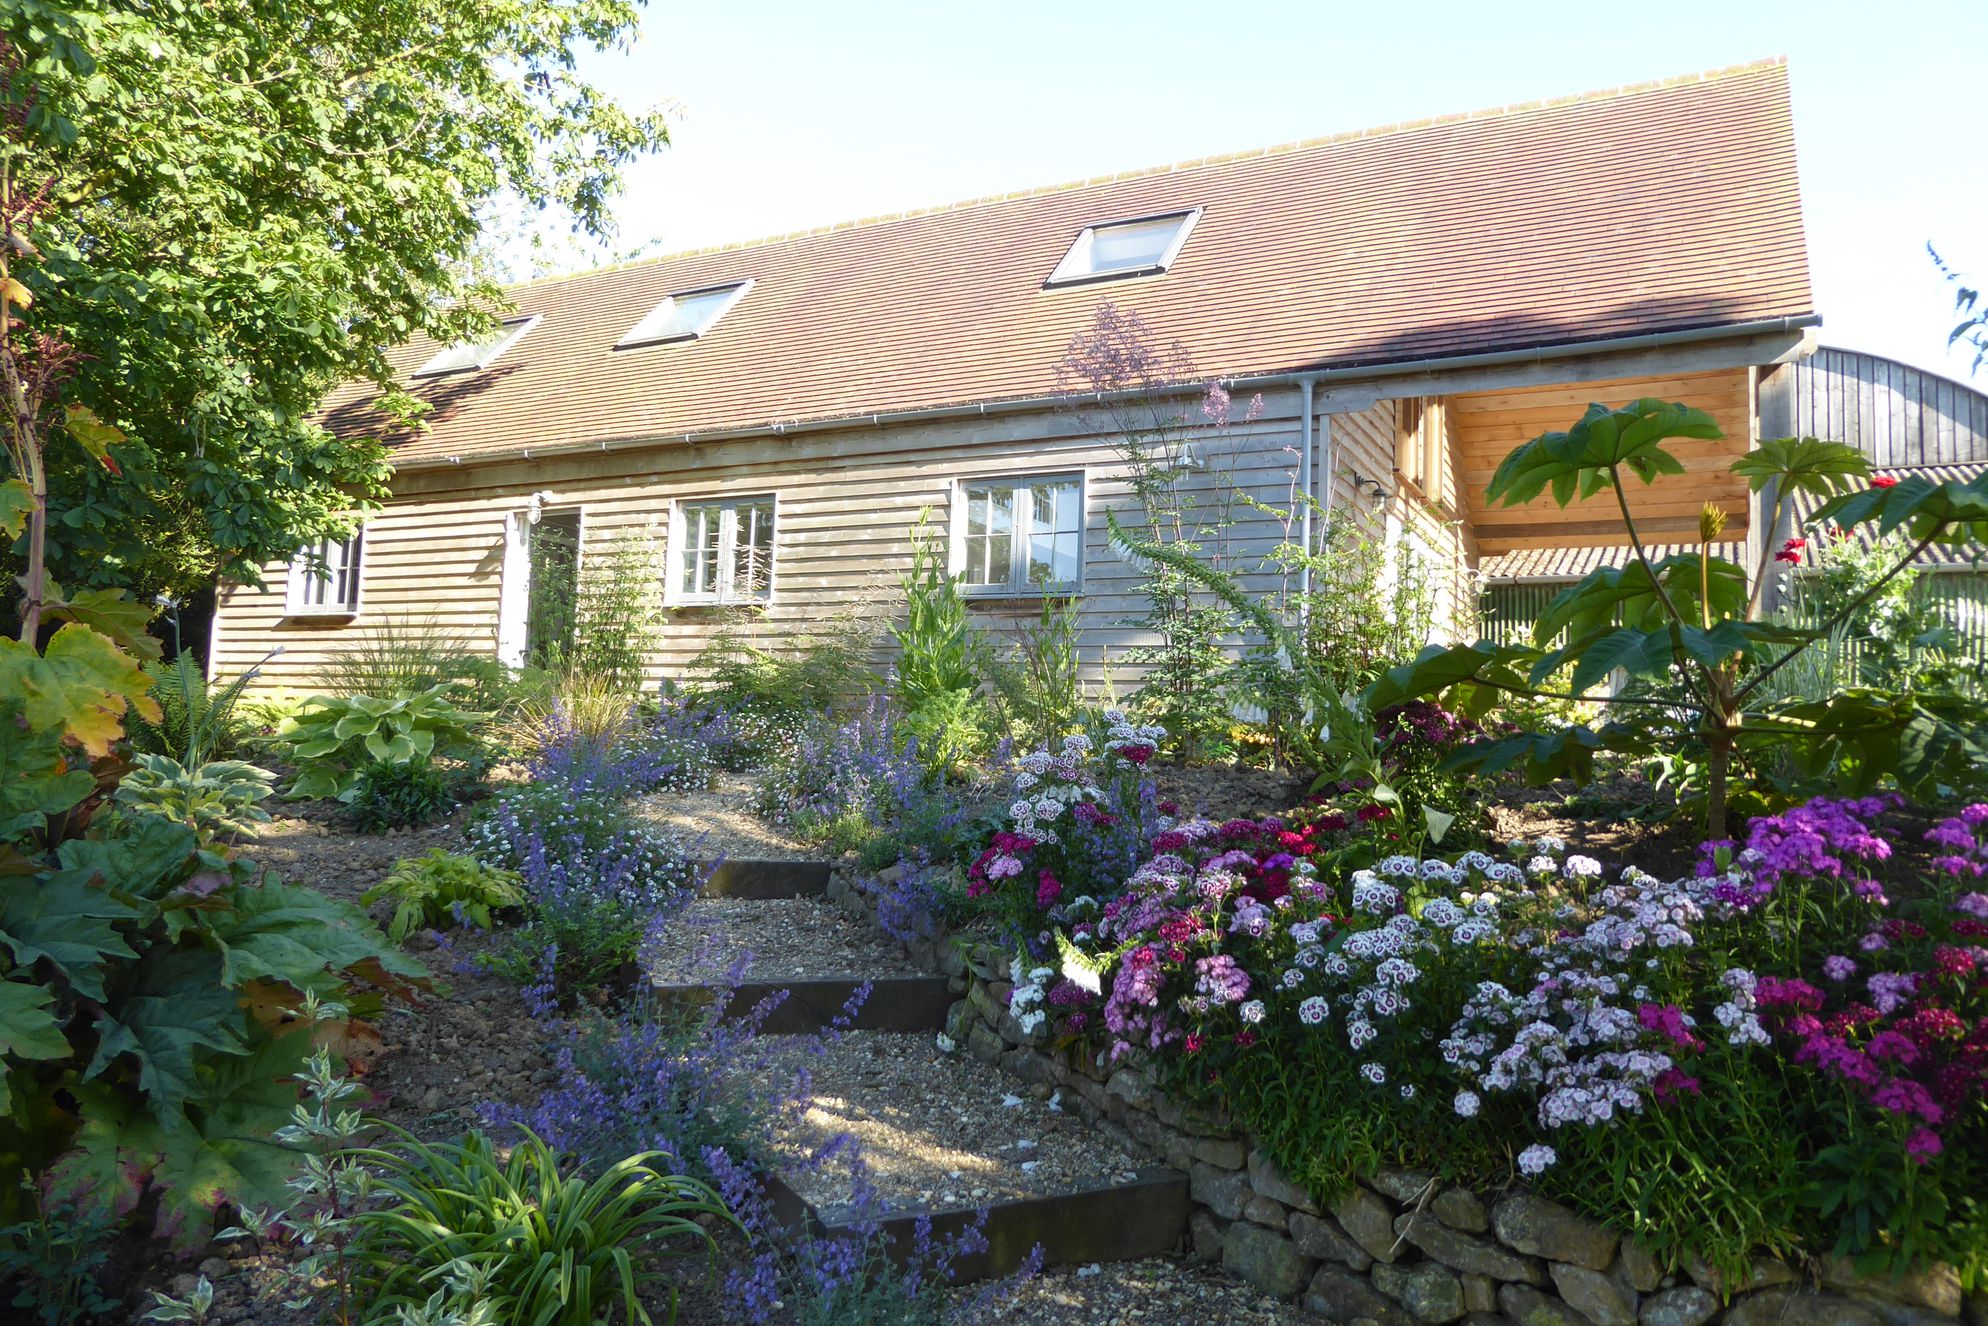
x=1312, y=1011
x=1466, y=1104
x=1252, y=1011
x=1374, y=1073
x=1537, y=1158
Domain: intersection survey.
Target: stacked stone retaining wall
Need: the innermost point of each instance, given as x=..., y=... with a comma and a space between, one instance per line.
x=1403, y=1248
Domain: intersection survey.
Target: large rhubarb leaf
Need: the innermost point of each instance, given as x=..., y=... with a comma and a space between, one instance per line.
x=298, y=936
x=66, y=920
x=78, y=688
x=170, y=1016
x=27, y=1029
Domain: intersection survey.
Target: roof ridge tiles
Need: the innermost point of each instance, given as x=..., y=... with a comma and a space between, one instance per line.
x=1509, y=110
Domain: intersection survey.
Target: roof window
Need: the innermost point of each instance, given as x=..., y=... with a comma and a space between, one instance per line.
x=1138, y=247
x=469, y=356
x=684, y=316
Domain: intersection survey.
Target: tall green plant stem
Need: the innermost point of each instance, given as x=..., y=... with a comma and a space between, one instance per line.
x=23, y=423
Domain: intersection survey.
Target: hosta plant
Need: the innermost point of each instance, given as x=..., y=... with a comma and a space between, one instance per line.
x=219, y=799
x=334, y=737
x=440, y=887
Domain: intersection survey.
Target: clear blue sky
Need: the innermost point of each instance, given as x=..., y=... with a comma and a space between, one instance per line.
x=794, y=115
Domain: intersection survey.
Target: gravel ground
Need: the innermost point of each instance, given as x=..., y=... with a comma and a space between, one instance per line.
x=787, y=938
x=1159, y=1290
x=937, y=1129
x=726, y=820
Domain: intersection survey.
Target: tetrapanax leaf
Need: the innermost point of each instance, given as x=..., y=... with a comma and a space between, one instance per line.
x=1804, y=465
x=27, y=1029
x=1579, y=460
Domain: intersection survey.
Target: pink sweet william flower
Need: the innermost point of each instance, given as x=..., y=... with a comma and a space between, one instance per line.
x=1972, y=904
x=1923, y=1145
x=1671, y=1083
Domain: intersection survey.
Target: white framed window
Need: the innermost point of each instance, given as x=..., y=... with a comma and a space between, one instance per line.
x=684, y=316
x=324, y=578
x=1141, y=246
x=722, y=552
x=469, y=356
x=1019, y=534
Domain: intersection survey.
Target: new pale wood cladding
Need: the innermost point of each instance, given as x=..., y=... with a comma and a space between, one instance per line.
x=848, y=502
x=1487, y=426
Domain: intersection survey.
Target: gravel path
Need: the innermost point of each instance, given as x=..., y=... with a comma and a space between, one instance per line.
x=937, y=1129
x=1159, y=1290
x=787, y=938
x=725, y=820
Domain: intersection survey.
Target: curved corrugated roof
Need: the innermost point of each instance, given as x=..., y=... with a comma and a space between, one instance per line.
x=1667, y=206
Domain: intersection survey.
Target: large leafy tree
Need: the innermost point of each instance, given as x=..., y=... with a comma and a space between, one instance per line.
x=257, y=199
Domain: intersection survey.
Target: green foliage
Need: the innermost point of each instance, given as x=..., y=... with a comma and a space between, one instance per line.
x=617, y=610
x=941, y=661
x=333, y=738
x=403, y=795
x=144, y=982
x=550, y=1243
x=254, y=232
x=1041, y=681
x=54, y=1259
x=221, y=798
x=395, y=656
x=1683, y=629
x=431, y=890
x=196, y=720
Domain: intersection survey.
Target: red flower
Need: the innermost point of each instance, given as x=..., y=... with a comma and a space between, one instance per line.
x=1791, y=551
x=1883, y=481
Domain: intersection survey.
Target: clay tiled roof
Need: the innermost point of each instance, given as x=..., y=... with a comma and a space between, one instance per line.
x=1668, y=206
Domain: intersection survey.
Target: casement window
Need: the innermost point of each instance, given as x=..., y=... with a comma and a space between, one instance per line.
x=1019, y=535
x=1422, y=448
x=1142, y=246
x=684, y=316
x=722, y=552
x=469, y=356
x=324, y=578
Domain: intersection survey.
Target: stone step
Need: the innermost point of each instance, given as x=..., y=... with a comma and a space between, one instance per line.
x=1101, y=1220
x=896, y=1003
x=750, y=877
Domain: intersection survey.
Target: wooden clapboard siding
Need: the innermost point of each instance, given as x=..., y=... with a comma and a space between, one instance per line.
x=1490, y=424
x=1901, y=417
x=848, y=504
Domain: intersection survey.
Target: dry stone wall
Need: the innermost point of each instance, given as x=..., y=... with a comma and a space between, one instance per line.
x=1404, y=1249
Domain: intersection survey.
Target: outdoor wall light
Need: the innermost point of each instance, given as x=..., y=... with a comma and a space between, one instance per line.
x=1372, y=489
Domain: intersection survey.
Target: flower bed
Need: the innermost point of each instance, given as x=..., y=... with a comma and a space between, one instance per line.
x=1784, y=1055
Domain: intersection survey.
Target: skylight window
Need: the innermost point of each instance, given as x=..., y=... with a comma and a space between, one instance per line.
x=684, y=316
x=1139, y=247
x=469, y=356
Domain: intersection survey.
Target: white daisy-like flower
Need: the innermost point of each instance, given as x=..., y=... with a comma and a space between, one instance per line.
x=1374, y=1073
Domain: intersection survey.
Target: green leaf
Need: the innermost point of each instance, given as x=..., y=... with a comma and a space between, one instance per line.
x=93, y=434
x=27, y=1029
x=1438, y=822
x=1949, y=512
x=146, y=859
x=173, y=1016
x=1580, y=460
x=17, y=501
x=111, y=614
x=78, y=688
x=66, y=920
x=1439, y=669
x=1544, y=756
x=1638, y=653
x=1802, y=465
x=303, y=939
